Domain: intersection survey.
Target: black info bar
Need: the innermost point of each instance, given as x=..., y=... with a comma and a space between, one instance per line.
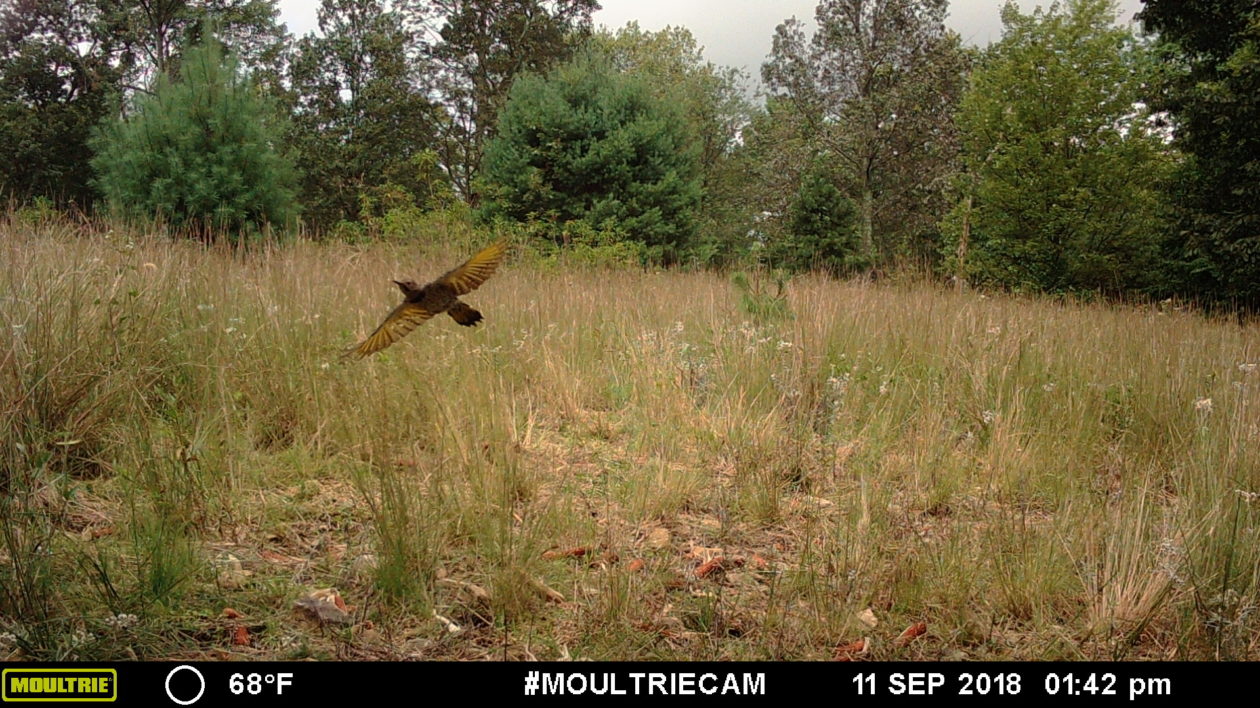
x=302, y=683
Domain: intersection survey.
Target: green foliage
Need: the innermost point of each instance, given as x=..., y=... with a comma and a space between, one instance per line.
x=672, y=62
x=1212, y=89
x=363, y=127
x=712, y=100
x=40, y=211
x=481, y=47
x=50, y=97
x=579, y=243
x=199, y=151
x=589, y=144
x=821, y=230
x=1064, y=171
x=874, y=89
x=64, y=66
x=756, y=300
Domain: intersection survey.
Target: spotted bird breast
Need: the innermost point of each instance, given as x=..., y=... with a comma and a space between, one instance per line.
x=434, y=297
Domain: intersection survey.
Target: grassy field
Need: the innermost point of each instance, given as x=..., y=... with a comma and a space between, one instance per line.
x=618, y=464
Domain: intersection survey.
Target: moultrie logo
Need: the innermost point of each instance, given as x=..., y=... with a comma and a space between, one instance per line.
x=61, y=685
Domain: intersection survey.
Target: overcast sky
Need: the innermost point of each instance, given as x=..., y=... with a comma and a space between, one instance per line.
x=738, y=32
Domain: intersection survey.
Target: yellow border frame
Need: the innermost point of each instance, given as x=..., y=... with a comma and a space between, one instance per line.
x=4, y=686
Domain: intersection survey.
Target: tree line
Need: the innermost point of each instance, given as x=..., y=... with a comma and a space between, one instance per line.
x=1074, y=155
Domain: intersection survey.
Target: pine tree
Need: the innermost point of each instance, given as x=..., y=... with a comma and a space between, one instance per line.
x=822, y=229
x=198, y=152
x=589, y=144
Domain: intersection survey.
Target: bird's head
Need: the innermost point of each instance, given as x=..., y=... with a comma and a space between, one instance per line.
x=407, y=286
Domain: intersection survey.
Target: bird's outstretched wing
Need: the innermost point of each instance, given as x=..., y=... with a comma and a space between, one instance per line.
x=402, y=320
x=476, y=270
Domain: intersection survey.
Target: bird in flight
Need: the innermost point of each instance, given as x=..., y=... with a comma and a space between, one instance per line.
x=441, y=295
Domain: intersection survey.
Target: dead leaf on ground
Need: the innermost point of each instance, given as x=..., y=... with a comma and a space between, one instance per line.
x=717, y=565
x=231, y=575
x=658, y=538
x=231, y=614
x=279, y=558
x=477, y=592
x=569, y=553
x=636, y=565
x=326, y=606
x=913, y=631
x=450, y=626
x=868, y=618
x=704, y=554
x=851, y=651
x=240, y=637
x=545, y=591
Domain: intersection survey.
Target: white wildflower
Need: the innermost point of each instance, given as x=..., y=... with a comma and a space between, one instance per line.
x=229, y=330
x=203, y=308
x=988, y=417
x=1048, y=387
x=883, y=388
x=995, y=329
x=122, y=621
x=1171, y=556
x=784, y=345
x=1203, y=405
x=1249, y=497
x=1247, y=368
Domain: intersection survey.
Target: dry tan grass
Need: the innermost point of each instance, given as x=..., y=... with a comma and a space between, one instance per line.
x=1033, y=480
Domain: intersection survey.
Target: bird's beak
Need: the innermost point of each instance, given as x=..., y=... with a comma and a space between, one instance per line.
x=398, y=283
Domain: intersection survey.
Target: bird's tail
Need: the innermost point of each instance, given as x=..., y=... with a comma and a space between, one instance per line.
x=463, y=314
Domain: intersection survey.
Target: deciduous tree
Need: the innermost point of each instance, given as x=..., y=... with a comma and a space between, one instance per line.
x=875, y=88
x=362, y=121
x=477, y=48
x=1062, y=165
x=1213, y=93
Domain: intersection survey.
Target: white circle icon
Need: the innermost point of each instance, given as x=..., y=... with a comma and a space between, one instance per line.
x=200, y=678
